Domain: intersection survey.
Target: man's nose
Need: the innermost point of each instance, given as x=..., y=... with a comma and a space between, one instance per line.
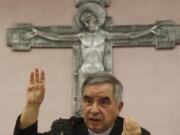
x=94, y=108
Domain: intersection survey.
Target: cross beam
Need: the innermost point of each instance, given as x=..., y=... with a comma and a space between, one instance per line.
x=171, y=36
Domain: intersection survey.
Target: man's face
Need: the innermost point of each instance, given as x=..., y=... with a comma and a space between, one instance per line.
x=99, y=107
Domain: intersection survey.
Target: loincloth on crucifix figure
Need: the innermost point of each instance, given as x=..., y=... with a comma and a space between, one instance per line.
x=93, y=38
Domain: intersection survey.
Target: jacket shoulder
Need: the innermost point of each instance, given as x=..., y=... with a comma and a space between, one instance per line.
x=144, y=132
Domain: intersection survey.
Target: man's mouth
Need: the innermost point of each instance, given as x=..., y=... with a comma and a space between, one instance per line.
x=94, y=120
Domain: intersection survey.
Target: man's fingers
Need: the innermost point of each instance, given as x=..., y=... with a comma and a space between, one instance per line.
x=31, y=81
x=34, y=77
x=37, y=75
x=42, y=78
x=37, y=79
x=127, y=124
x=131, y=125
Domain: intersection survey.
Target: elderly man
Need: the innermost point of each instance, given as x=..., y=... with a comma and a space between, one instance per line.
x=101, y=105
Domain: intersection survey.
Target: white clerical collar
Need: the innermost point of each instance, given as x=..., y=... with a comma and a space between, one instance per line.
x=107, y=132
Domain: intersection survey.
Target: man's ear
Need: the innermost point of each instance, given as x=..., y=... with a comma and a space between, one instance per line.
x=120, y=106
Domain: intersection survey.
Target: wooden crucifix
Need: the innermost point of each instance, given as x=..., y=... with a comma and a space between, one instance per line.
x=92, y=39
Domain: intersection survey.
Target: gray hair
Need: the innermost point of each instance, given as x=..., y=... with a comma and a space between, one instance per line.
x=103, y=77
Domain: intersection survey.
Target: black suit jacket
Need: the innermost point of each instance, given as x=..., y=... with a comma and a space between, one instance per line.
x=72, y=126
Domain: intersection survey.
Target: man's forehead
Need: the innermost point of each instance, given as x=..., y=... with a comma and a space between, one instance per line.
x=100, y=85
x=102, y=89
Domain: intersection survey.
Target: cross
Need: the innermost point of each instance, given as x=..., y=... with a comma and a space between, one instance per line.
x=92, y=39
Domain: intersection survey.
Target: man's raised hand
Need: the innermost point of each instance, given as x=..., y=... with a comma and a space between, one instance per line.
x=35, y=96
x=36, y=89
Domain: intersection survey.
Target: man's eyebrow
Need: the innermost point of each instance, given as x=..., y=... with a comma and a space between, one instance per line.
x=87, y=97
x=105, y=98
